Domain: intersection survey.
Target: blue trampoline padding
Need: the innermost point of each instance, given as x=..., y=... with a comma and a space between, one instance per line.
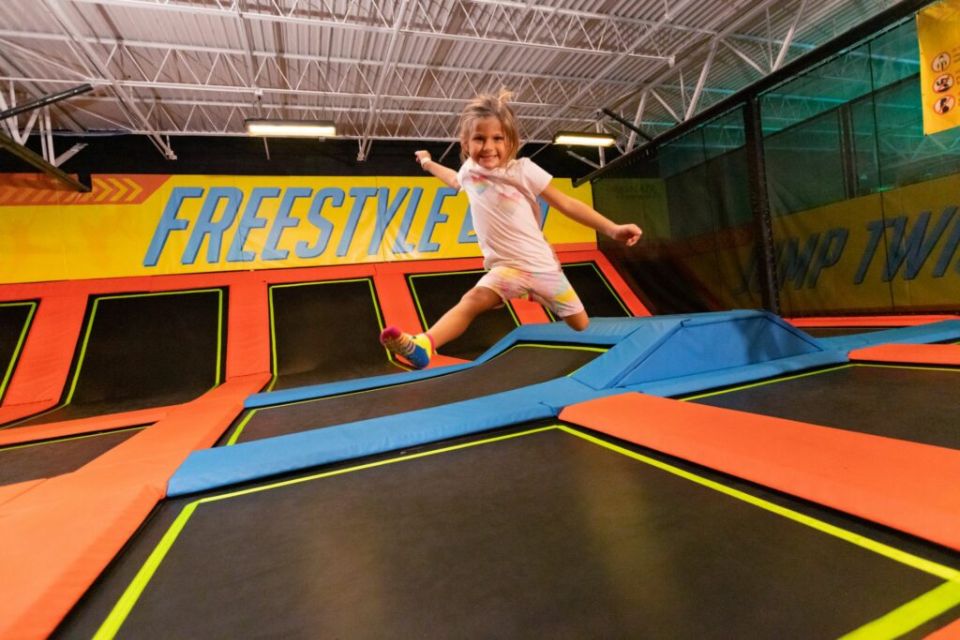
x=224, y=466
x=601, y=332
x=648, y=333
x=942, y=331
x=685, y=385
x=705, y=344
x=313, y=391
x=701, y=343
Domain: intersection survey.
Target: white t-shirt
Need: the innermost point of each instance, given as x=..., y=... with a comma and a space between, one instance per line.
x=506, y=216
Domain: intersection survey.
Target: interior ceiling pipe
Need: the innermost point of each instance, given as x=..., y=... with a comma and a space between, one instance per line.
x=45, y=100
x=37, y=161
x=626, y=123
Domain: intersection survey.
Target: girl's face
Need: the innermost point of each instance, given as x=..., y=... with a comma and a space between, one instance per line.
x=487, y=145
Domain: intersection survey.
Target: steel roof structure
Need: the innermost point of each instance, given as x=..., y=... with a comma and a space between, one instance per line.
x=394, y=69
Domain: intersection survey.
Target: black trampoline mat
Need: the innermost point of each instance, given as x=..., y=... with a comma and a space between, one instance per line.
x=141, y=351
x=14, y=321
x=598, y=297
x=545, y=533
x=910, y=403
x=520, y=366
x=19, y=463
x=326, y=331
x=435, y=294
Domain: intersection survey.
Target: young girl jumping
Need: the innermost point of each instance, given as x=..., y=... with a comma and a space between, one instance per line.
x=503, y=191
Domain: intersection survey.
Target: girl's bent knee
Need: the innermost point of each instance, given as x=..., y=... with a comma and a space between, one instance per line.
x=481, y=296
x=578, y=322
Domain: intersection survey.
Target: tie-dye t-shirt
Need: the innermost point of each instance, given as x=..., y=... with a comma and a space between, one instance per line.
x=506, y=216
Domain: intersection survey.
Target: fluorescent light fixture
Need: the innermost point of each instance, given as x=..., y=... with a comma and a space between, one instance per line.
x=584, y=139
x=291, y=128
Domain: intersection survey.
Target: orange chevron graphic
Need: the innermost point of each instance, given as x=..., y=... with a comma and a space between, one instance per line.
x=22, y=189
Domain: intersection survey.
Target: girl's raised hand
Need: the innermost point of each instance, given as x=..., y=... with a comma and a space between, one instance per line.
x=628, y=234
x=422, y=156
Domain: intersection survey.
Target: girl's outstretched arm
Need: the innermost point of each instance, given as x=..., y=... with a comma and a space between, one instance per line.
x=446, y=175
x=586, y=215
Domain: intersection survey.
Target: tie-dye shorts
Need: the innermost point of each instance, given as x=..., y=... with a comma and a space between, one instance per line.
x=552, y=290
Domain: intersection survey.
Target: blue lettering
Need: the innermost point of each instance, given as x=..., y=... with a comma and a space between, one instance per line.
x=207, y=226
x=795, y=263
x=360, y=195
x=249, y=220
x=386, y=210
x=427, y=245
x=829, y=254
x=401, y=245
x=917, y=248
x=283, y=221
x=946, y=255
x=169, y=222
x=875, y=227
x=315, y=216
x=544, y=208
x=467, y=234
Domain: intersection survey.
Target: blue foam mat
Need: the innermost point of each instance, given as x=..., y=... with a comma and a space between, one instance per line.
x=213, y=468
x=663, y=355
x=943, y=331
x=601, y=332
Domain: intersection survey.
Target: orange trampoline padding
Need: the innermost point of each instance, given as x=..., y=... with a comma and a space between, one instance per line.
x=248, y=337
x=10, y=491
x=529, y=312
x=905, y=485
x=869, y=321
x=93, y=424
x=44, y=364
x=59, y=535
x=949, y=632
x=941, y=354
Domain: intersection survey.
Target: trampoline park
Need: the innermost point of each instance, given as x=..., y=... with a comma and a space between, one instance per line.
x=201, y=435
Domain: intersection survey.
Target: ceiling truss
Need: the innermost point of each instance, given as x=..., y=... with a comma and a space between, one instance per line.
x=395, y=69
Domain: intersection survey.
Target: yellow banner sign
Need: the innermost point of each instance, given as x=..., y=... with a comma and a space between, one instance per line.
x=146, y=225
x=938, y=30
x=897, y=249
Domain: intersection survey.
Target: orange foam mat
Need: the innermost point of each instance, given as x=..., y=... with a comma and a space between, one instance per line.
x=949, y=632
x=869, y=321
x=12, y=413
x=942, y=354
x=248, y=334
x=49, y=430
x=895, y=483
x=44, y=364
x=11, y=491
x=529, y=312
x=60, y=534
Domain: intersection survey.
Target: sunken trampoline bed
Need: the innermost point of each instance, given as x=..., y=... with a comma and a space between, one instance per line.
x=537, y=527
x=538, y=483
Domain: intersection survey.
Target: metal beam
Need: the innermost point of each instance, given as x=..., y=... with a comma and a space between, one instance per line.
x=38, y=162
x=385, y=70
x=45, y=100
x=876, y=23
x=613, y=64
x=629, y=125
x=128, y=104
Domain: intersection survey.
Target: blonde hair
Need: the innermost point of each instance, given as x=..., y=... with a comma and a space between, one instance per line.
x=488, y=105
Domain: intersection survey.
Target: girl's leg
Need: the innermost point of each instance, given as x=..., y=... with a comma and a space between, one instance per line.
x=554, y=291
x=419, y=349
x=455, y=321
x=578, y=321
